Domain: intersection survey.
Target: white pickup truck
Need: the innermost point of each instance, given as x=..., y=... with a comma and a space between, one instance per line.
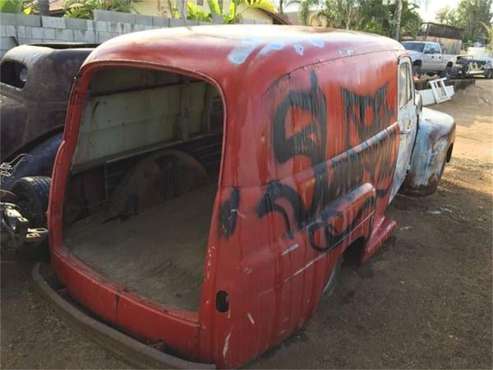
x=427, y=56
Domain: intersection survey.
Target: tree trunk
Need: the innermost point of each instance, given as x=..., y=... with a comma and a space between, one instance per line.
x=398, y=19
x=44, y=7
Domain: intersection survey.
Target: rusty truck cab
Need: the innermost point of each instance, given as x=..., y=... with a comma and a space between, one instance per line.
x=210, y=179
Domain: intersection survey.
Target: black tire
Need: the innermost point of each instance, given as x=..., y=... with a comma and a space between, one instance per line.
x=32, y=198
x=333, y=278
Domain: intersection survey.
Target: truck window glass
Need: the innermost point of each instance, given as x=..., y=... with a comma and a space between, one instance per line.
x=414, y=46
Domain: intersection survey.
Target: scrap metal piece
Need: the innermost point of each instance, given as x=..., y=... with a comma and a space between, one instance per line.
x=15, y=230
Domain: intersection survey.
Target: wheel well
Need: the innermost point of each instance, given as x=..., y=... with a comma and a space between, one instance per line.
x=449, y=64
x=417, y=63
x=354, y=252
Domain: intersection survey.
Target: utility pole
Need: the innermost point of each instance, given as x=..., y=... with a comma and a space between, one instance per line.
x=398, y=14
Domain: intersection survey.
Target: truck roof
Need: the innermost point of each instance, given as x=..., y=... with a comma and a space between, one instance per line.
x=420, y=42
x=244, y=50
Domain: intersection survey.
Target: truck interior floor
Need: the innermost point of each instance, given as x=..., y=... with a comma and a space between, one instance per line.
x=157, y=254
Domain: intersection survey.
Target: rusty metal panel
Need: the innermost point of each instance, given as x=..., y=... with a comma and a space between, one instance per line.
x=432, y=150
x=35, y=107
x=310, y=147
x=122, y=122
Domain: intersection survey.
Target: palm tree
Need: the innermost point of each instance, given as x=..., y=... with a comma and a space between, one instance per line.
x=489, y=35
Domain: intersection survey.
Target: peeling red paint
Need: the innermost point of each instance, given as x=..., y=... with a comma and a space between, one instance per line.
x=310, y=149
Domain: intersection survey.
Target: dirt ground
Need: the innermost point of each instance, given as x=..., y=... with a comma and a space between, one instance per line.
x=424, y=301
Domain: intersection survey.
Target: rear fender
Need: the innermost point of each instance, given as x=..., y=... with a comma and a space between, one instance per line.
x=434, y=138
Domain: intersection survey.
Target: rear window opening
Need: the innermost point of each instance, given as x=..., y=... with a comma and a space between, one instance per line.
x=144, y=177
x=13, y=73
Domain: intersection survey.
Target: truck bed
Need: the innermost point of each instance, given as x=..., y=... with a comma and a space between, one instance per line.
x=158, y=254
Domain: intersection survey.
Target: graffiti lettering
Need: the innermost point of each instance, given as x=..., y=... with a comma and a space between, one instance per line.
x=369, y=115
x=228, y=213
x=357, y=108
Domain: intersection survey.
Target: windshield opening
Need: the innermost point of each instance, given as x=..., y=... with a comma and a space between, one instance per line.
x=414, y=46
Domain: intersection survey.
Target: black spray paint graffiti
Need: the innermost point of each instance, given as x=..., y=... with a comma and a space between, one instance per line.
x=311, y=142
x=228, y=213
x=356, y=108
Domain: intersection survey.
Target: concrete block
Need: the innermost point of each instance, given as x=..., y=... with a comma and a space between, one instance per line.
x=29, y=20
x=85, y=36
x=139, y=27
x=144, y=20
x=76, y=24
x=90, y=37
x=8, y=30
x=64, y=35
x=102, y=15
x=49, y=34
x=24, y=32
x=24, y=40
x=110, y=16
x=53, y=22
x=117, y=27
x=90, y=25
x=7, y=43
x=216, y=19
x=160, y=22
x=127, y=28
x=103, y=36
x=8, y=18
x=102, y=26
x=173, y=22
x=37, y=33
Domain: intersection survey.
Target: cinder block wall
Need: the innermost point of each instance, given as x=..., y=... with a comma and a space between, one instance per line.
x=16, y=29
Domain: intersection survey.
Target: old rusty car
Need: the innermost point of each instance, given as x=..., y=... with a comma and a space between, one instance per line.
x=35, y=82
x=211, y=180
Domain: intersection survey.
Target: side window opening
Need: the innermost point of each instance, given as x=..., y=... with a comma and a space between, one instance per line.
x=13, y=73
x=405, y=84
x=144, y=178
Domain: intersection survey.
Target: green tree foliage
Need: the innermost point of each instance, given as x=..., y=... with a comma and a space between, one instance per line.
x=18, y=6
x=230, y=15
x=375, y=16
x=197, y=13
x=489, y=34
x=304, y=9
x=84, y=8
x=474, y=16
x=11, y=6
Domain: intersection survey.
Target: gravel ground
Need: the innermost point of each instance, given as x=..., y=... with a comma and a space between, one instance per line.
x=424, y=301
